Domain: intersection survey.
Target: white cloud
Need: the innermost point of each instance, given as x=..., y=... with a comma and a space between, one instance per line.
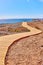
x=17, y=17
x=11, y=17
x=8, y=17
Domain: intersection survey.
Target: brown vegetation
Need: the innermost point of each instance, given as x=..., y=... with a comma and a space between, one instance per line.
x=12, y=29
x=37, y=24
x=19, y=29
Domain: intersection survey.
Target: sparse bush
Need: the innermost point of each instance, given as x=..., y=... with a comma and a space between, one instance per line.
x=19, y=29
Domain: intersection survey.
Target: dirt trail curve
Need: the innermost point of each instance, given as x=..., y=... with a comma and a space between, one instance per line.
x=33, y=30
x=6, y=41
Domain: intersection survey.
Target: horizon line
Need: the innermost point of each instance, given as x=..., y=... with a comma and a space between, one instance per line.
x=20, y=17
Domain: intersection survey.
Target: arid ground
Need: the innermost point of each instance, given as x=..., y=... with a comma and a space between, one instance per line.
x=26, y=51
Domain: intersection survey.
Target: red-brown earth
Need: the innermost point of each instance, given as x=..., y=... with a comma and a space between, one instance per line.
x=27, y=51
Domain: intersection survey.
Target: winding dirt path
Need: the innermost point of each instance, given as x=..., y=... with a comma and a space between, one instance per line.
x=6, y=41
x=32, y=29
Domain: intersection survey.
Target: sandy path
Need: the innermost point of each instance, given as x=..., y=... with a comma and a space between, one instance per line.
x=5, y=41
x=33, y=30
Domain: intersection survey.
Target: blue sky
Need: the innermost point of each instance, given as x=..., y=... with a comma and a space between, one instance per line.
x=21, y=8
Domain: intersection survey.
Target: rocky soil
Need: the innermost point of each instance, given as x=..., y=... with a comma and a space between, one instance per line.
x=27, y=51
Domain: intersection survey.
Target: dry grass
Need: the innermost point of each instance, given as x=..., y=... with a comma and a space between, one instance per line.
x=19, y=29
x=7, y=29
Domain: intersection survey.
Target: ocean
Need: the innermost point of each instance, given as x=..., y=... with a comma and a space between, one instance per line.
x=4, y=21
